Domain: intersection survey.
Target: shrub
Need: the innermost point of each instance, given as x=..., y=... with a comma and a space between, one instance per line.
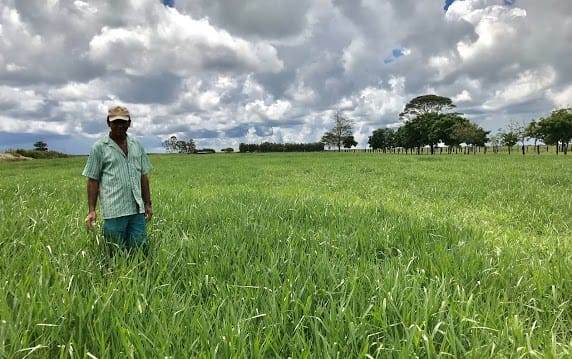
x=281, y=147
x=205, y=150
x=38, y=154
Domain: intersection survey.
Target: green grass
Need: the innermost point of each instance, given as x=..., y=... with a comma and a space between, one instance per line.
x=301, y=255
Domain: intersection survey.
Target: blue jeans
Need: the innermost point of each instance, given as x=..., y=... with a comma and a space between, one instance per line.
x=126, y=232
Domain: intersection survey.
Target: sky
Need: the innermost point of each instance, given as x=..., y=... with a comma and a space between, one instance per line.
x=224, y=72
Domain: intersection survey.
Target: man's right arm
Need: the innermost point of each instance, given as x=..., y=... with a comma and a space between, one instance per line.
x=92, y=193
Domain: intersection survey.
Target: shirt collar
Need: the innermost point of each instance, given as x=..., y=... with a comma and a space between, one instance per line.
x=107, y=140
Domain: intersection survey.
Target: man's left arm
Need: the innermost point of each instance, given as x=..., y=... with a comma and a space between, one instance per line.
x=145, y=188
x=146, y=193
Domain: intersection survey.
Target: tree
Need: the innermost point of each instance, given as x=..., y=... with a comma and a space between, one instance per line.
x=469, y=133
x=382, y=138
x=557, y=129
x=442, y=129
x=186, y=146
x=281, y=147
x=170, y=145
x=349, y=142
x=227, y=150
x=532, y=132
x=496, y=141
x=427, y=104
x=421, y=115
x=174, y=145
x=40, y=146
x=341, y=130
x=509, y=139
x=413, y=134
x=519, y=129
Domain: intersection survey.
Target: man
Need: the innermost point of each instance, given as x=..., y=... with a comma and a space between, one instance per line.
x=116, y=171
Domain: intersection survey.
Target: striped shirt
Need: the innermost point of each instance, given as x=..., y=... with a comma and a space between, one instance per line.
x=119, y=176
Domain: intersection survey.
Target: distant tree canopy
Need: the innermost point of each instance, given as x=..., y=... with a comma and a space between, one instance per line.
x=281, y=147
x=174, y=145
x=509, y=139
x=556, y=128
x=426, y=104
x=532, y=131
x=40, y=146
x=469, y=133
x=340, y=134
x=382, y=138
x=429, y=120
x=349, y=142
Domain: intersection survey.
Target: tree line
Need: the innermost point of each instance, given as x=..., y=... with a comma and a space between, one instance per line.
x=281, y=147
x=175, y=145
x=426, y=121
x=430, y=120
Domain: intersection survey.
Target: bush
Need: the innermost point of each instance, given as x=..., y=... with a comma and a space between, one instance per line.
x=37, y=154
x=228, y=150
x=205, y=150
x=281, y=147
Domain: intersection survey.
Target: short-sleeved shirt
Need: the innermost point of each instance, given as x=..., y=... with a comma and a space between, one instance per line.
x=119, y=176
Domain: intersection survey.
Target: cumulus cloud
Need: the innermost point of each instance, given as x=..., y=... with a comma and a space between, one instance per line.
x=247, y=71
x=561, y=98
x=464, y=96
x=529, y=84
x=179, y=44
x=377, y=104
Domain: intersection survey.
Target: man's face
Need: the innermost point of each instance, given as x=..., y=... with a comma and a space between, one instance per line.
x=118, y=127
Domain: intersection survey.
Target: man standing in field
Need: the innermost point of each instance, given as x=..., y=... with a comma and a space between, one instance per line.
x=116, y=172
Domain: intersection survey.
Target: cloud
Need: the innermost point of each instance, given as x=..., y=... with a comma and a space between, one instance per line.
x=254, y=70
x=561, y=98
x=377, y=105
x=529, y=84
x=266, y=19
x=19, y=102
x=464, y=96
x=178, y=44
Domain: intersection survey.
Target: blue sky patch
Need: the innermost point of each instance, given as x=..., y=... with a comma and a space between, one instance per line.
x=448, y=3
x=505, y=2
x=395, y=54
x=169, y=3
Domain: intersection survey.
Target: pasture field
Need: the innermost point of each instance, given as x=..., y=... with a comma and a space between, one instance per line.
x=300, y=255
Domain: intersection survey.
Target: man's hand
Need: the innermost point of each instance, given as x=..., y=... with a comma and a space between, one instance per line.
x=148, y=212
x=90, y=220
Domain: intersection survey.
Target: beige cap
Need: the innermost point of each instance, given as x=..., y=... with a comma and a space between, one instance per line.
x=118, y=113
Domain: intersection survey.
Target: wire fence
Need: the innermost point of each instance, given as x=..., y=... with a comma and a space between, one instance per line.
x=467, y=150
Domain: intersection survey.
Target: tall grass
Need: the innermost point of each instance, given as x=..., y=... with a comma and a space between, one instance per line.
x=301, y=255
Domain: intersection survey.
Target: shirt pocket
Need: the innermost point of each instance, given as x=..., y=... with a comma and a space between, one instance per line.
x=135, y=160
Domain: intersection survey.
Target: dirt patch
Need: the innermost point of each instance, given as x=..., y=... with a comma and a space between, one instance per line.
x=11, y=157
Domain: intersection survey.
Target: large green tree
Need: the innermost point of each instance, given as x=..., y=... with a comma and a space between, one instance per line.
x=382, y=138
x=349, y=142
x=557, y=128
x=469, y=133
x=443, y=129
x=427, y=104
x=414, y=133
x=421, y=115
